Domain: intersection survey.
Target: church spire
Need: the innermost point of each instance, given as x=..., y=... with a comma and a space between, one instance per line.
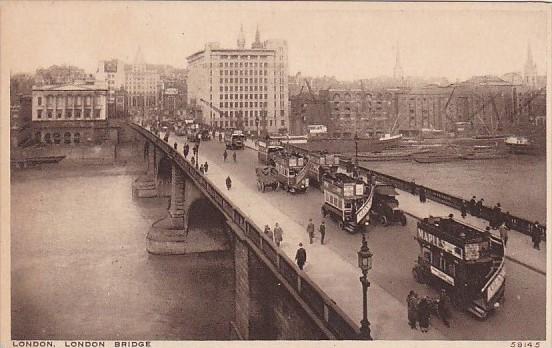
x=530, y=71
x=241, y=38
x=397, y=70
x=257, y=43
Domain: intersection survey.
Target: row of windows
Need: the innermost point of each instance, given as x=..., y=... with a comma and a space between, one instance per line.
x=242, y=88
x=243, y=80
x=235, y=56
x=246, y=123
x=55, y=138
x=246, y=113
x=243, y=104
x=59, y=114
x=334, y=200
x=69, y=99
x=243, y=65
x=243, y=96
x=242, y=72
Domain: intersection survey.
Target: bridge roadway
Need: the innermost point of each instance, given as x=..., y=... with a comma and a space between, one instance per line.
x=333, y=266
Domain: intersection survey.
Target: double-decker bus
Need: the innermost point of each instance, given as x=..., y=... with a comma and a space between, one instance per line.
x=234, y=139
x=466, y=261
x=292, y=172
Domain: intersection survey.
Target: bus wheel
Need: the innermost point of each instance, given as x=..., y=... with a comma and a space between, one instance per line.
x=258, y=186
x=341, y=226
x=383, y=220
x=277, y=187
x=262, y=187
x=323, y=211
x=403, y=220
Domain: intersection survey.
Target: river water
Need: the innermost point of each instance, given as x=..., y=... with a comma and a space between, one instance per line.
x=517, y=182
x=80, y=269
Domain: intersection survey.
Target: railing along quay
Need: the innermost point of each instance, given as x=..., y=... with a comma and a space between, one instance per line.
x=339, y=324
x=514, y=222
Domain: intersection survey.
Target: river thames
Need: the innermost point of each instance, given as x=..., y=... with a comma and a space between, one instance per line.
x=517, y=182
x=80, y=269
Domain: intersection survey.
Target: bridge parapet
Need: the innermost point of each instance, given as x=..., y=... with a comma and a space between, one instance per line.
x=333, y=321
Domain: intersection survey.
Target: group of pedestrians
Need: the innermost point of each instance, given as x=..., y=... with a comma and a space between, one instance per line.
x=275, y=235
x=225, y=156
x=321, y=230
x=420, y=309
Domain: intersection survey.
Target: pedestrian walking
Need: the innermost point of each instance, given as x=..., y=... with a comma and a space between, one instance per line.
x=463, y=209
x=206, y=167
x=443, y=307
x=322, y=230
x=175, y=145
x=422, y=193
x=301, y=256
x=220, y=137
x=310, y=230
x=536, y=235
x=503, y=230
x=202, y=169
x=413, y=186
x=412, y=306
x=186, y=150
x=423, y=314
x=166, y=137
x=479, y=207
x=192, y=160
x=228, y=183
x=225, y=155
x=278, y=234
x=471, y=205
x=234, y=156
x=268, y=233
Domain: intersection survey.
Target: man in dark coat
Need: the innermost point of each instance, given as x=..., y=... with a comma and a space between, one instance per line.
x=463, y=209
x=322, y=230
x=412, y=305
x=186, y=150
x=471, y=205
x=228, y=183
x=301, y=256
x=175, y=145
x=225, y=155
x=423, y=314
x=206, y=167
x=422, y=194
x=479, y=207
x=536, y=235
x=310, y=230
x=444, y=307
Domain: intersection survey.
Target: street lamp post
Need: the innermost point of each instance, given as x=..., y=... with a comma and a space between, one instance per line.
x=356, y=155
x=365, y=264
x=257, y=124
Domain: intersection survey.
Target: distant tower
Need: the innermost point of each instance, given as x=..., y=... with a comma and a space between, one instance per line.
x=398, y=73
x=530, y=69
x=241, y=39
x=257, y=43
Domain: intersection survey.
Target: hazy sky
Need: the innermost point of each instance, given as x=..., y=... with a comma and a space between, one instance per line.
x=347, y=40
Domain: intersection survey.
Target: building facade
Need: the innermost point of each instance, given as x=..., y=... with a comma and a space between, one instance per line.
x=70, y=114
x=143, y=86
x=240, y=88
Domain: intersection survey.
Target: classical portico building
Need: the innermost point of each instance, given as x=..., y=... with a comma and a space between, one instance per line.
x=70, y=113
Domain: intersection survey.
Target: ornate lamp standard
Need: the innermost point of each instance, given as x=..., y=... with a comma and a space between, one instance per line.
x=365, y=264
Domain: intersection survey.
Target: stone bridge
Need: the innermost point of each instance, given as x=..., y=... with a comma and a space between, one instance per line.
x=273, y=298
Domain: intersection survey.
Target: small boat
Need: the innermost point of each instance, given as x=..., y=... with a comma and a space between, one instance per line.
x=32, y=161
x=520, y=145
x=437, y=158
x=481, y=152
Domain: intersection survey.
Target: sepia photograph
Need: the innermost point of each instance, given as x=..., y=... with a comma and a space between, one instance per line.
x=275, y=171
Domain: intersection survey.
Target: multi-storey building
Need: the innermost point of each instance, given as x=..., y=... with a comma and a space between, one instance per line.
x=143, y=85
x=238, y=88
x=364, y=113
x=70, y=114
